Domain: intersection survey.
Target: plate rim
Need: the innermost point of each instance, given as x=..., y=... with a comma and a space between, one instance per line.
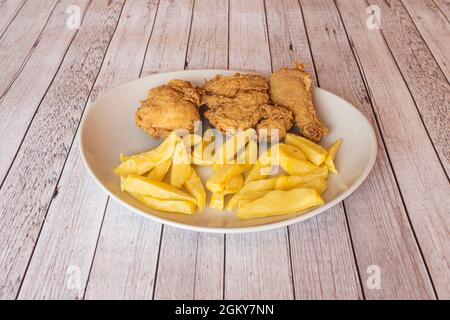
x=229, y=230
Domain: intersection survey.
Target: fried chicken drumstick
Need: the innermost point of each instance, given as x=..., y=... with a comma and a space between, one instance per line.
x=293, y=89
x=241, y=102
x=169, y=107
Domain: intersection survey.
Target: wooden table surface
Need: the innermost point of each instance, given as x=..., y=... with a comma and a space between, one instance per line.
x=61, y=237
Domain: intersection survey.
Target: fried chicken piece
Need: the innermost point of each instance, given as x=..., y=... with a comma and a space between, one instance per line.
x=241, y=102
x=169, y=107
x=229, y=86
x=293, y=89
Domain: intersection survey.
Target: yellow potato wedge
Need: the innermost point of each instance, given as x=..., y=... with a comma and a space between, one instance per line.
x=251, y=188
x=263, y=166
x=195, y=187
x=181, y=166
x=293, y=162
x=160, y=171
x=143, y=162
x=172, y=206
x=203, y=154
x=332, y=152
x=280, y=202
x=217, y=200
x=234, y=185
x=228, y=150
x=219, y=179
x=153, y=188
x=315, y=153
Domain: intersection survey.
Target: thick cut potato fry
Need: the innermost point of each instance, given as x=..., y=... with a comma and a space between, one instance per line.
x=153, y=188
x=181, y=166
x=290, y=182
x=332, y=152
x=234, y=185
x=251, y=188
x=293, y=163
x=320, y=185
x=195, y=187
x=315, y=153
x=160, y=171
x=263, y=166
x=202, y=154
x=228, y=150
x=173, y=206
x=143, y=162
x=280, y=202
x=248, y=156
x=217, y=200
x=220, y=178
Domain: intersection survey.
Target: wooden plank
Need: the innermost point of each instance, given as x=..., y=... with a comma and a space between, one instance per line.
x=20, y=39
x=416, y=166
x=88, y=202
x=374, y=211
x=444, y=6
x=322, y=258
x=191, y=263
x=257, y=265
x=125, y=263
x=9, y=9
x=170, y=38
x=30, y=185
x=434, y=28
x=21, y=101
x=426, y=82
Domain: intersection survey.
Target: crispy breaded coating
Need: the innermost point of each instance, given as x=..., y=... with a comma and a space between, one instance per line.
x=229, y=86
x=293, y=89
x=169, y=107
x=241, y=102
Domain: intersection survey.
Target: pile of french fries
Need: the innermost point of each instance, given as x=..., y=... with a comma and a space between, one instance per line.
x=165, y=178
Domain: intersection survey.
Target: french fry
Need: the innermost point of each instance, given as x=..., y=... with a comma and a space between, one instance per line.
x=314, y=152
x=249, y=156
x=219, y=178
x=173, y=206
x=195, y=187
x=153, y=188
x=228, y=150
x=262, y=167
x=160, y=171
x=181, y=166
x=217, y=200
x=293, y=162
x=143, y=162
x=234, y=185
x=280, y=202
x=332, y=152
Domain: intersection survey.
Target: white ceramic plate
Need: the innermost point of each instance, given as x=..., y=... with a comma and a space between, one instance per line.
x=108, y=129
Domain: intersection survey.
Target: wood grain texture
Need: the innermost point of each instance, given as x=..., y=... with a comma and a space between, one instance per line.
x=191, y=264
x=444, y=6
x=135, y=25
x=428, y=85
x=30, y=185
x=167, y=47
x=9, y=9
x=125, y=263
x=21, y=101
x=20, y=39
x=416, y=165
x=323, y=263
x=434, y=28
x=375, y=210
x=257, y=265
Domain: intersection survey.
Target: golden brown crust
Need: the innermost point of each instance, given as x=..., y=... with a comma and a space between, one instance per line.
x=293, y=89
x=241, y=102
x=169, y=107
